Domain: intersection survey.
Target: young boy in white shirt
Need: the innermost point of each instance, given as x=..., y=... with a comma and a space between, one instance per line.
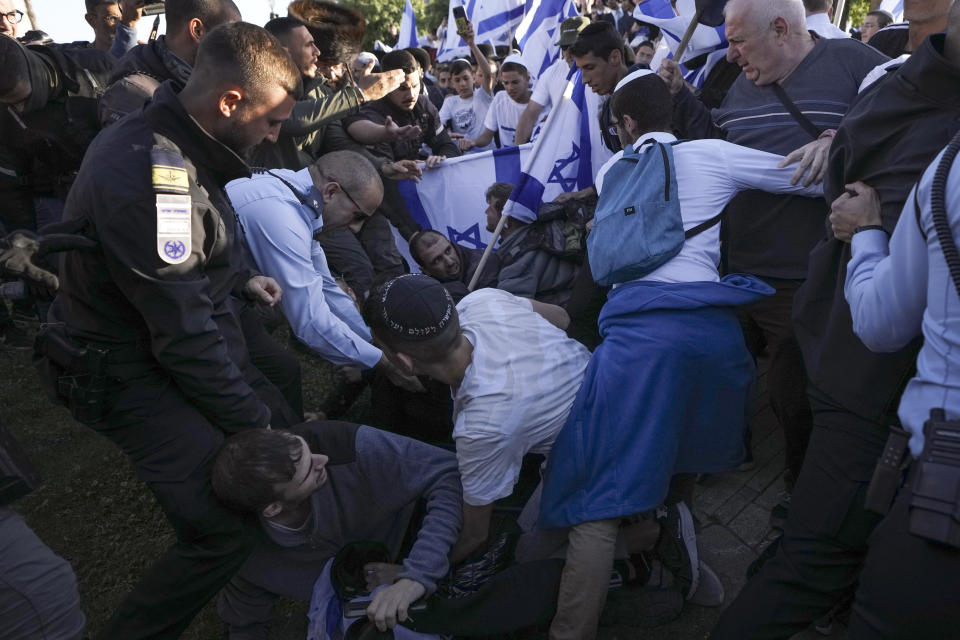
x=464, y=112
x=507, y=107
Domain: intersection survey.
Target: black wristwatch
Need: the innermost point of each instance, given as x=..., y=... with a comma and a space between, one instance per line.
x=868, y=227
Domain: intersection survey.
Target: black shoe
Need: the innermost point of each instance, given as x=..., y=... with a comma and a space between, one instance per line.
x=766, y=554
x=677, y=546
x=778, y=515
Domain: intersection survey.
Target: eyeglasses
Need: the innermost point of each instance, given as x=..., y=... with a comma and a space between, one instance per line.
x=14, y=17
x=361, y=213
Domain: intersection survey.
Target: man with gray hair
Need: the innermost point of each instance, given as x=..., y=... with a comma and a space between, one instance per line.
x=800, y=87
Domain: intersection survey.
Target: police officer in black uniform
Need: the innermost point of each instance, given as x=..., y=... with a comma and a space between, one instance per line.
x=48, y=95
x=154, y=303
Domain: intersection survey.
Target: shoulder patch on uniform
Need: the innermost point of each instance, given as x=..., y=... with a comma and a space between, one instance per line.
x=169, y=172
x=174, y=214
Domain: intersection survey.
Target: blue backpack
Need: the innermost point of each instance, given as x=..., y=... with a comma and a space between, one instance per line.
x=637, y=227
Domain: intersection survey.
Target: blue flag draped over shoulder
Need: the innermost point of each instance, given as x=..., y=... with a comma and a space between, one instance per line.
x=408, y=28
x=566, y=156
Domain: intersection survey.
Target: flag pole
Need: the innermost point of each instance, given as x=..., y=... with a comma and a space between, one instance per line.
x=486, y=253
x=688, y=35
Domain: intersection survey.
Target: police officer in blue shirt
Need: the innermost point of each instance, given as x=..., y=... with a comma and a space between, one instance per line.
x=899, y=289
x=285, y=214
x=154, y=302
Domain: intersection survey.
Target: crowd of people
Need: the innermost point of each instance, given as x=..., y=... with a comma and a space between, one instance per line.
x=169, y=204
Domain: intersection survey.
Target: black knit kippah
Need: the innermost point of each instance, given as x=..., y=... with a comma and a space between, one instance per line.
x=415, y=307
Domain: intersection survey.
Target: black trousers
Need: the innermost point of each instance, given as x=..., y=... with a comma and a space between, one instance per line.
x=824, y=543
x=523, y=596
x=768, y=323
x=909, y=585
x=172, y=448
x=280, y=366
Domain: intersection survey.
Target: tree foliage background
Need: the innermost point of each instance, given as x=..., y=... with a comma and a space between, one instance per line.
x=380, y=14
x=858, y=11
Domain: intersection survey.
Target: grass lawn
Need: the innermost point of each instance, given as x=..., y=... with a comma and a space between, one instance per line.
x=93, y=511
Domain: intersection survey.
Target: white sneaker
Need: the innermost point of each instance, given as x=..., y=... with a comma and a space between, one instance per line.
x=710, y=591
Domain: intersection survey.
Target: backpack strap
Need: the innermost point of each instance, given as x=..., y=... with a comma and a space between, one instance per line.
x=795, y=112
x=703, y=226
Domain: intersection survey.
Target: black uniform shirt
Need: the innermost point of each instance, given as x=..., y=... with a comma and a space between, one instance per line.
x=125, y=294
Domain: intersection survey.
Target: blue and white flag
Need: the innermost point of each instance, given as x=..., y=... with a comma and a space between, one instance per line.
x=408, y=28
x=566, y=156
x=494, y=21
x=660, y=13
x=451, y=197
x=539, y=32
x=894, y=8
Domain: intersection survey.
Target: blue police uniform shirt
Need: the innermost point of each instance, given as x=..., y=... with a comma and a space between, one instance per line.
x=280, y=233
x=902, y=288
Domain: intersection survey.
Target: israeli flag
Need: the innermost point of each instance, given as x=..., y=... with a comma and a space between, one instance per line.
x=566, y=156
x=894, y=8
x=539, y=31
x=674, y=24
x=494, y=21
x=451, y=197
x=408, y=28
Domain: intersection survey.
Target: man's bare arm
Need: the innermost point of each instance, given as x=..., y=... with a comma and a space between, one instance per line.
x=476, y=528
x=528, y=119
x=552, y=313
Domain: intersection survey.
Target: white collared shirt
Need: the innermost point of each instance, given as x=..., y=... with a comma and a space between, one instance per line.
x=821, y=25
x=710, y=173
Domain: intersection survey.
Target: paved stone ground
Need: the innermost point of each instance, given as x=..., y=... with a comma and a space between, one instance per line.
x=732, y=512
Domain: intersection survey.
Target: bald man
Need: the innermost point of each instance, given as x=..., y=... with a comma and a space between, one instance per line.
x=284, y=213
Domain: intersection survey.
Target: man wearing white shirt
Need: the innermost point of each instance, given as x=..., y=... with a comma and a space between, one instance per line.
x=465, y=112
x=283, y=213
x=507, y=107
x=820, y=19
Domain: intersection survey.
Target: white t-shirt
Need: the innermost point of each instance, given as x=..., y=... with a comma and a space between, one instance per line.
x=503, y=116
x=550, y=84
x=467, y=116
x=516, y=392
